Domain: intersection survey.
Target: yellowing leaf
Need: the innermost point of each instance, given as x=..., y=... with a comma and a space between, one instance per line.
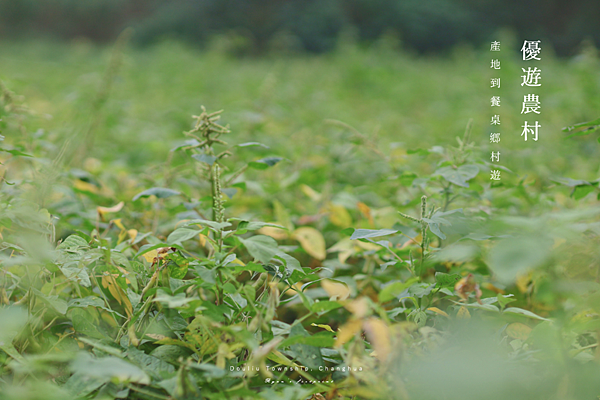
x=280, y=358
x=339, y=216
x=118, y=223
x=493, y=288
x=326, y=327
x=183, y=221
x=366, y=246
x=358, y=307
x=365, y=211
x=238, y=262
x=518, y=330
x=335, y=290
x=292, y=291
x=85, y=186
x=113, y=209
x=345, y=249
x=347, y=331
x=310, y=192
x=156, y=336
x=108, y=318
x=282, y=215
x=558, y=242
x=275, y=233
x=109, y=282
x=223, y=353
x=132, y=234
x=379, y=335
x=438, y=311
x=202, y=239
x=125, y=273
x=151, y=255
x=463, y=313
x=523, y=281
x=312, y=241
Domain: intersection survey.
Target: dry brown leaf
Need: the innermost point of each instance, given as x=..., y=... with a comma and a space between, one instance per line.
x=467, y=285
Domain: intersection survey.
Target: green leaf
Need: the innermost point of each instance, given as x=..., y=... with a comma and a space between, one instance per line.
x=504, y=300
x=89, y=301
x=583, y=124
x=369, y=233
x=520, y=311
x=83, y=323
x=261, y=247
x=434, y=227
x=518, y=254
x=324, y=306
x=446, y=280
x=248, y=144
x=81, y=385
x=579, y=192
x=392, y=290
x=229, y=192
x=264, y=163
x=322, y=339
x=307, y=355
x=182, y=234
x=109, y=368
x=291, y=264
x=171, y=353
x=177, y=265
x=13, y=319
x=456, y=252
x=53, y=301
x=421, y=289
x=487, y=307
x=16, y=153
x=214, y=226
x=108, y=348
x=458, y=176
x=155, y=367
x=244, y=226
x=73, y=242
x=205, y=158
x=179, y=300
x=570, y=182
x=76, y=272
x=209, y=371
x=159, y=192
x=248, y=267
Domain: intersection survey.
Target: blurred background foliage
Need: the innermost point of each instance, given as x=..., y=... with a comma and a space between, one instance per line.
x=494, y=295
x=309, y=25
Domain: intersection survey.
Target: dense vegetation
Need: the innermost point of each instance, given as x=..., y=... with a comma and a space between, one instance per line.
x=336, y=223
x=306, y=25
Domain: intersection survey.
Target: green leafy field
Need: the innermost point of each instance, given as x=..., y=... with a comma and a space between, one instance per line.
x=333, y=233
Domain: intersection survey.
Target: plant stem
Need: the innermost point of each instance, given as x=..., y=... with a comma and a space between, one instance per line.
x=423, y=230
